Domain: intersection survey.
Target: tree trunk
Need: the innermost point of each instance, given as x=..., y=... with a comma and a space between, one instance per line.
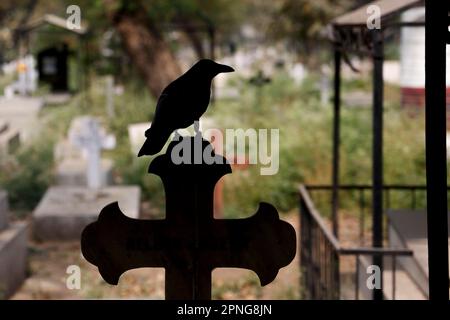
x=145, y=45
x=193, y=36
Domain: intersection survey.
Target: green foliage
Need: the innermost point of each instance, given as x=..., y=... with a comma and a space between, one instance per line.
x=27, y=179
x=27, y=175
x=303, y=22
x=245, y=287
x=304, y=152
x=305, y=142
x=6, y=80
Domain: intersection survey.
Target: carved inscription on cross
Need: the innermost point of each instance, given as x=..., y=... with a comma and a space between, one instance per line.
x=189, y=243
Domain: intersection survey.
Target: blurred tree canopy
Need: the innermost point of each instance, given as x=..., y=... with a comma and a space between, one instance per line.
x=141, y=28
x=13, y=13
x=303, y=22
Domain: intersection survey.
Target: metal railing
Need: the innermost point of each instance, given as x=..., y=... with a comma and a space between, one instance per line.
x=358, y=198
x=320, y=253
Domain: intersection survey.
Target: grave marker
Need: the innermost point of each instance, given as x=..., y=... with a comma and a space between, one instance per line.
x=109, y=92
x=66, y=209
x=189, y=243
x=87, y=135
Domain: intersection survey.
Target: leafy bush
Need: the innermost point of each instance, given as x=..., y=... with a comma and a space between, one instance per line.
x=27, y=178
x=304, y=151
x=306, y=142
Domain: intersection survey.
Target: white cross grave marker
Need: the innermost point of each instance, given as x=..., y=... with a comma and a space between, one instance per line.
x=87, y=134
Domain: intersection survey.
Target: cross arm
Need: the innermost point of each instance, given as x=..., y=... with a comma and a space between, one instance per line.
x=116, y=243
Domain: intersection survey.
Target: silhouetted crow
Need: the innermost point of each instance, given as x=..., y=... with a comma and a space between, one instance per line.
x=181, y=103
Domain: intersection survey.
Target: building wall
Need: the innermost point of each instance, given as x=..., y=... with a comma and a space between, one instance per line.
x=412, y=61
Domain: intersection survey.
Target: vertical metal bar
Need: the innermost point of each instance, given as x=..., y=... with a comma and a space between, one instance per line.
x=319, y=266
x=357, y=277
x=309, y=268
x=361, y=216
x=436, y=163
x=302, y=246
x=324, y=271
x=336, y=140
x=448, y=24
x=313, y=260
x=317, y=276
x=306, y=249
x=329, y=272
x=337, y=276
x=394, y=270
x=377, y=152
x=309, y=251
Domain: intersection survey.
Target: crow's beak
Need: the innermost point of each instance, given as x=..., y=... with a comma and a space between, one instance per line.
x=221, y=68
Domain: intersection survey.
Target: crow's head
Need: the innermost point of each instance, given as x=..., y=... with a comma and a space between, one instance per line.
x=210, y=68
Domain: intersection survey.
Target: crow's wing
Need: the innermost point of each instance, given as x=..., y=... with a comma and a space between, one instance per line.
x=163, y=110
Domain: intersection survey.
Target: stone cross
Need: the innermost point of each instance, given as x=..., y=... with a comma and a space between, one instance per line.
x=87, y=135
x=189, y=243
x=259, y=81
x=109, y=93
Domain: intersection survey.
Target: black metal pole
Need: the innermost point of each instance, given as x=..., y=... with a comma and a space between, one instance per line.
x=436, y=153
x=336, y=140
x=377, y=154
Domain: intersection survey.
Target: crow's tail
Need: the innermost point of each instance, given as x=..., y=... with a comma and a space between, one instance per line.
x=156, y=139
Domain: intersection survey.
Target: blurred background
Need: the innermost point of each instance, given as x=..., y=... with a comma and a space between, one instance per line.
x=70, y=67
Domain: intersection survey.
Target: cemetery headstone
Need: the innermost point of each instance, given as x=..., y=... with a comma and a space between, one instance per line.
x=75, y=159
x=22, y=81
x=65, y=210
x=88, y=136
x=26, y=83
x=109, y=93
x=21, y=114
x=259, y=81
x=13, y=251
x=136, y=135
x=72, y=172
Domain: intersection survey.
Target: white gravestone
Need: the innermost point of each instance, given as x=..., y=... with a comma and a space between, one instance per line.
x=136, y=134
x=27, y=75
x=87, y=135
x=65, y=210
